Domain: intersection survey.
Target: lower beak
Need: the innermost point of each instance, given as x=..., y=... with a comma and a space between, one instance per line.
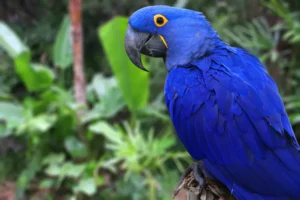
x=145, y=43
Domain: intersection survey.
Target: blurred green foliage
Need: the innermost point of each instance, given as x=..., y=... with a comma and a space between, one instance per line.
x=128, y=76
x=124, y=146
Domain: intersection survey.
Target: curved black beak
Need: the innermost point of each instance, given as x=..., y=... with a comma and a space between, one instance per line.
x=145, y=43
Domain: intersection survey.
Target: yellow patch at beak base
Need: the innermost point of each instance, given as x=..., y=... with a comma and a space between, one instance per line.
x=163, y=40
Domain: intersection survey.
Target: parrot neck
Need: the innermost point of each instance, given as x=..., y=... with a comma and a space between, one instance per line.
x=185, y=54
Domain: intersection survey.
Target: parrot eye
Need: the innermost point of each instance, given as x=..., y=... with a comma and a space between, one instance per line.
x=160, y=20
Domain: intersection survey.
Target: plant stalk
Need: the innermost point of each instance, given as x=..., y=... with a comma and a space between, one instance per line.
x=77, y=38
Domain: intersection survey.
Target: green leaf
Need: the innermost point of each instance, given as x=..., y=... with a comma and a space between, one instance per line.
x=54, y=159
x=107, y=130
x=10, y=42
x=152, y=112
x=133, y=82
x=11, y=113
x=28, y=174
x=86, y=186
x=295, y=119
x=110, y=96
x=46, y=184
x=163, y=144
x=63, y=51
x=292, y=105
x=53, y=170
x=67, y=169
x=36, y=77
x=111, y=103
x=72, y=170
x=42, y=123
x=75, y=147
x=101, y=84
x=39, y=124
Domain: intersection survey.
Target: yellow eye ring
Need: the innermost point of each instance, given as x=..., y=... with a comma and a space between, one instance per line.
x=160, y=20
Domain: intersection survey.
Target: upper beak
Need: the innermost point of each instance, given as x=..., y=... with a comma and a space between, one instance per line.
x=145, y=43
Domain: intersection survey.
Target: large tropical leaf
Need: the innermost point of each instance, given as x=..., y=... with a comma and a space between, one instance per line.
x=133, y=82
x=36, y=77
x=62, y=51
x=10, y=42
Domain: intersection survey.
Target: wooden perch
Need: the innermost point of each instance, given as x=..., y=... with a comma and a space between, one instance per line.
x=211, y=189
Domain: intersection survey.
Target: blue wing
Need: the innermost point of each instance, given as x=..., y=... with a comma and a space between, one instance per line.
x=227, y=110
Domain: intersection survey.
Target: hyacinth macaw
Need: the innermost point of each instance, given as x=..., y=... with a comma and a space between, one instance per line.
x=225, y=107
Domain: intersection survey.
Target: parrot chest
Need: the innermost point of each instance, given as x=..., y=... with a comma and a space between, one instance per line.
x=188, y=100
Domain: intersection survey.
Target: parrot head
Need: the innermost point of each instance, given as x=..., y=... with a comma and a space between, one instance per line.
x=178, y=35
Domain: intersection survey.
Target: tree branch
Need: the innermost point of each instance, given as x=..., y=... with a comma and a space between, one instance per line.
x=211, y=189
x=78, y=68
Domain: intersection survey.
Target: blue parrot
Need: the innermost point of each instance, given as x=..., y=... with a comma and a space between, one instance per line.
x=224, y=105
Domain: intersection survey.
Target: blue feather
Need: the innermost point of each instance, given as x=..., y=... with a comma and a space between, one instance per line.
x=225, y=107
x=231, y=115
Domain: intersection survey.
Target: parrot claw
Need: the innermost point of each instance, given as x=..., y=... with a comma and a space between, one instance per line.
x=193, y=171
x=196, y=181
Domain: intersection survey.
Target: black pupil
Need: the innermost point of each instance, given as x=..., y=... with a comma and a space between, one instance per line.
x=160, y=20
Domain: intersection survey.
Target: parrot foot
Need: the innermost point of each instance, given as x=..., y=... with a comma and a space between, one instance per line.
x=191, y=174
x=199, y=185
